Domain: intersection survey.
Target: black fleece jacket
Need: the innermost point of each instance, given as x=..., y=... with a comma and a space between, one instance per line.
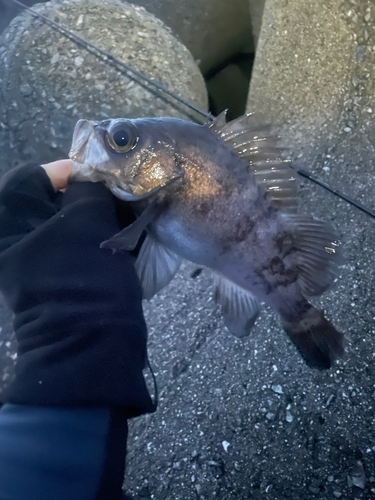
x=78, y=308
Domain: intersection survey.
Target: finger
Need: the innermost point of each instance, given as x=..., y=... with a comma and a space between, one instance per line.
x=58, y=172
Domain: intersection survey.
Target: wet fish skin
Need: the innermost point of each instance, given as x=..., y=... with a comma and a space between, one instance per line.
x=212, y=209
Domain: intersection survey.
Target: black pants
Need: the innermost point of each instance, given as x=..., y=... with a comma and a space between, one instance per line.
x=59, y=454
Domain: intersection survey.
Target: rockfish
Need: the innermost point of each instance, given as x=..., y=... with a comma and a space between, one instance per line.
x=219, y=195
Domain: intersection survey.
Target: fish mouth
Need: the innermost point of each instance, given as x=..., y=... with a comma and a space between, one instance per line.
x=81, y=135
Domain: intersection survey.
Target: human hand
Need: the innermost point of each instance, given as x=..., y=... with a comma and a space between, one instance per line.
x=58, y=172
x=78, y=307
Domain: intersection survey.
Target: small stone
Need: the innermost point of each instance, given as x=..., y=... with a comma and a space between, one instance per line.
x=355, y=81
x=79, y=20
x=55, y=58
x=330, y=479
x=347, y=129
x=277, y=388
x=78, y=61
x=270, y=416
x=360, y=52
x=26, y=90
x=88, y=76
x=314, y=490
x=213, y=463
x=289, y=417
x=357, y=476
x=194, y=454
x=337, y=494
x=225, y=446
x=100, y=86
x=367, y=17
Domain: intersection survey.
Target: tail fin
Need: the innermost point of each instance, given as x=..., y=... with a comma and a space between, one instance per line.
x=318, y=341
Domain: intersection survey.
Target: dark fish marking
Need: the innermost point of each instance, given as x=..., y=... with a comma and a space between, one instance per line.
x=276, y=266
x=284, y=244
x=243, y=228
x=203, y=208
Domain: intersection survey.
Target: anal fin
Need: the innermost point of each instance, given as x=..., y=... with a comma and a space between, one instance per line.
x=239, y=306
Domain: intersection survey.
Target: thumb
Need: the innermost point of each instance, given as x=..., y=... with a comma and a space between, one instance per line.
x=58, y=172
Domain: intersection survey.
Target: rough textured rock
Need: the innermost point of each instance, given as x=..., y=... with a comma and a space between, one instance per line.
x=47, y=82
x=213, y=30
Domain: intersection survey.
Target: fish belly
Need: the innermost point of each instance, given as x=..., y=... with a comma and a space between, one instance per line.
x=184, y=241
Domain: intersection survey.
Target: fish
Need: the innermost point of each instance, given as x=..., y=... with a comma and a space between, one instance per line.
x=223, y=196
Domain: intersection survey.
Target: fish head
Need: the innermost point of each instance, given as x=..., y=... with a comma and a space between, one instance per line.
x=132, y=157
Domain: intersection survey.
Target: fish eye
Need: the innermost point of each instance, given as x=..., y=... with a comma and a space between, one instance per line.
x=121, y=137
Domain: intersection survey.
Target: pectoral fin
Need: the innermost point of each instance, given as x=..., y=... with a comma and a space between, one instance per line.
x=128, y=238
x=239, y=307
x=156, y=265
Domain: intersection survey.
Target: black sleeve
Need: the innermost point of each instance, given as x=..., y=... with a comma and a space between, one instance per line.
x=27, y=199
x=78, y=308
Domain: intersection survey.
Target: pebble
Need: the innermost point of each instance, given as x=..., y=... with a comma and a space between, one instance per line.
x=26, y=90
x=277, y=388
x=270, y=416
x=357, y=476
x=347, y=129
x=55, y=58
x=225, y=445
x=78, y=61
x=360, y=52
x=337, y=494
x=289, y=416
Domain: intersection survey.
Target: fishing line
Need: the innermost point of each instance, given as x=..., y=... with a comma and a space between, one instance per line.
x=162, y=89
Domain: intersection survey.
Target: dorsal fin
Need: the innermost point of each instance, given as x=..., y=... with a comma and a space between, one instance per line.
x=258, y=147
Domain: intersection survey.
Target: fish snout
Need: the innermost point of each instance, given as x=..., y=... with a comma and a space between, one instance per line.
x=81, y=135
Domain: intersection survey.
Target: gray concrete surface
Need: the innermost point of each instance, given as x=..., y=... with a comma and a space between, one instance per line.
x=247, y=419
x=213, y=30
x=47, y=82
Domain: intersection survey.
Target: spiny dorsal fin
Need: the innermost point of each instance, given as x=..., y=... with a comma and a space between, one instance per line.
x=258, y=147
